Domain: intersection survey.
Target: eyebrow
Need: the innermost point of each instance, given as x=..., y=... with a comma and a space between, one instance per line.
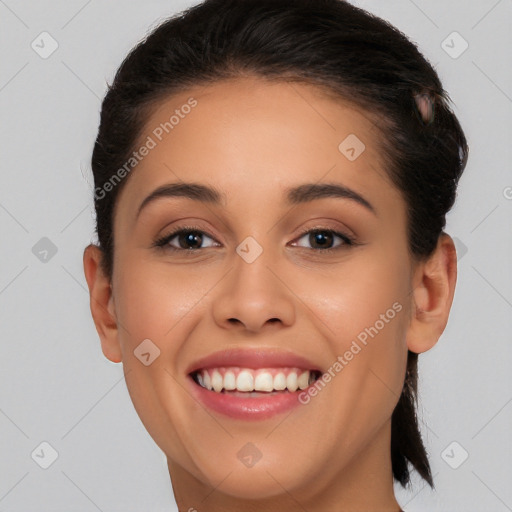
x=294, y=195
x=195, y=191
x=311, y=191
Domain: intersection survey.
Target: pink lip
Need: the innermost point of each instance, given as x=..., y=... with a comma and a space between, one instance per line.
x=250, y=408
x=253, y=358
x=255, y=408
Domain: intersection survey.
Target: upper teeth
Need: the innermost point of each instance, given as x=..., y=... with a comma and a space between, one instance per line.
x=247, y=379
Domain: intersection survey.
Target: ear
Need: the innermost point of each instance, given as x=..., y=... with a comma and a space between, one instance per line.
x=102, y=303
x=433, y=290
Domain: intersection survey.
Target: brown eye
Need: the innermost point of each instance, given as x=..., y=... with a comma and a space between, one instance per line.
x=194, y=238
x=322, y=239
x=187, y=239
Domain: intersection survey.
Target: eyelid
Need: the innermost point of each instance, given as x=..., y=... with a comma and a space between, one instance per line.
x=163, y=241
x=343, y=232
x=335, y=224
x=348, y=239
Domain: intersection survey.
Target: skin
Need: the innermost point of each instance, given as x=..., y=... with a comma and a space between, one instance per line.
x=251, y=139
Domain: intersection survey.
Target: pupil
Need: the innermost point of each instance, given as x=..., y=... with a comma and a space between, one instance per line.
x=191, y=237
x=320, y=238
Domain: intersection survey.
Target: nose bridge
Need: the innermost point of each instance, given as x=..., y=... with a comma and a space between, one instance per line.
x=251, y=267
x=252, y=293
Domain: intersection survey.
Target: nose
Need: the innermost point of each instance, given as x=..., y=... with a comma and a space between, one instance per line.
x=254, y=296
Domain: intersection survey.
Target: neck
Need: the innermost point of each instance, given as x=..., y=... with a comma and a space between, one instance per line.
x=365, y=484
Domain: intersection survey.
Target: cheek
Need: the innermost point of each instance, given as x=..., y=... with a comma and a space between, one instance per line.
x=162, y=305
x=151, y=301
x=361, y=312
x=368, y=291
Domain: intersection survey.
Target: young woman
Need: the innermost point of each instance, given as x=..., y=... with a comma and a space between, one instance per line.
x=271, y=184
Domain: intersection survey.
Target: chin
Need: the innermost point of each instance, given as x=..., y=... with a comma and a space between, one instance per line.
x=254, y=483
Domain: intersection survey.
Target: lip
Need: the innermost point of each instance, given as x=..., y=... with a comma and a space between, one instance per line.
x=249, y=408
x=253, y=358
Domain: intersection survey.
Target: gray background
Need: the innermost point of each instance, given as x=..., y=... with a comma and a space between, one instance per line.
x=55, y=384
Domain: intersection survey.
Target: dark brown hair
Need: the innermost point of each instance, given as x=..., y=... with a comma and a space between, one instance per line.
x=345, y=51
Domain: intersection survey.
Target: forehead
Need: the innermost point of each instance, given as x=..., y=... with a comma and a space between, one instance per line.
x=250, y=137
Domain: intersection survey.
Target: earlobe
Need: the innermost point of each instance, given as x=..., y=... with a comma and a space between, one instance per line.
x=433, y=290
x=102, y=303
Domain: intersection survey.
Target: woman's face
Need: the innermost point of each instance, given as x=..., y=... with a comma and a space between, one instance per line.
x=251, y=282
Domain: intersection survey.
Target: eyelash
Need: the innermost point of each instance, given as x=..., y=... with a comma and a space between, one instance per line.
x=162, y=243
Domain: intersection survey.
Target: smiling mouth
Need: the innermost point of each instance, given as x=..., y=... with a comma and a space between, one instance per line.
x=248, y=382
